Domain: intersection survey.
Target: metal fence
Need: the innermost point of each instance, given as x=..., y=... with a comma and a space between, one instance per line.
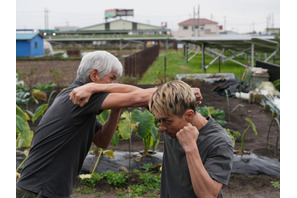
x=136, y=64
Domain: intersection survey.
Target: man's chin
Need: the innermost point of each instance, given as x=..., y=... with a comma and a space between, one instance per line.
x=173, y=135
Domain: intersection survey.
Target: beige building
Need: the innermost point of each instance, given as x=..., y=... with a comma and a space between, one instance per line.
x=121, y=26
x=197, y=28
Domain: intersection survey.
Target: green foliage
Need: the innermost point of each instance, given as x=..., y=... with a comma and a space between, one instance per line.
x=24, y=134
x=45, y=87
x=23, y=98
x=233, y=135
x=41, y=109
x=276, y=84
x=176, y=64
x=103, y=116
x=275, y=184
x=147, y=167
x=125, y=126
x=39, y=95
x=115, y=179
x=246, y=130
x=96, y=177
x=137, y=190
x=58, y=76
x=152, y=181
x=217, y=114
x=21, y=87
x=146, y=129
x=146, y=122
x=85, y=190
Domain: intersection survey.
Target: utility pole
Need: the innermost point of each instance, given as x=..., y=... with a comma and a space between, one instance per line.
x=46, y=19
x=193, y=29
x=198, y=14
x=225, y=23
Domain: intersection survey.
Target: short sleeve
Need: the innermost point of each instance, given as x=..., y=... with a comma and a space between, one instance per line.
x=219, y=164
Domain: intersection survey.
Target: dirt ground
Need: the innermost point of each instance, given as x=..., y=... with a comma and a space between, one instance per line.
x=239, y=185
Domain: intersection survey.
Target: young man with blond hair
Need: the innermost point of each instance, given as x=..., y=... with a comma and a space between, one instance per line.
x=198, y=152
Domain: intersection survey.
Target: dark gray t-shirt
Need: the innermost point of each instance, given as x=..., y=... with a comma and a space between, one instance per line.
x=216, y=152
x=60, y=144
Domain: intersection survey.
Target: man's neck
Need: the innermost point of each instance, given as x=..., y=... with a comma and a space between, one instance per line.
x=199, y=121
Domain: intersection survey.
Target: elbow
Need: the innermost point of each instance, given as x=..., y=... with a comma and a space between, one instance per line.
x=139, y=100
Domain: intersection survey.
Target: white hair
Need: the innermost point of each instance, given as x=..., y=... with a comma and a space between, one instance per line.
x=103, y=61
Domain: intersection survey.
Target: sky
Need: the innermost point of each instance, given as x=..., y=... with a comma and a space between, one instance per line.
x=234, y=15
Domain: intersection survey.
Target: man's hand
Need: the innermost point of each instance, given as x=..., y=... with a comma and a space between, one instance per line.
x=81, y=95
x=187, y=137
x=198, y=95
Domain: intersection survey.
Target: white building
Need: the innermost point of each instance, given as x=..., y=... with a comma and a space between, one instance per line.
x=197, y=28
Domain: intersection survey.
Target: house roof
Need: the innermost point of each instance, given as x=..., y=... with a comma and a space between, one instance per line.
x=102, y=24
x=201, y=22
x=25, y=36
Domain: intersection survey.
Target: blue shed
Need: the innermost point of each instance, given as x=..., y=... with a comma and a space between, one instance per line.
x=29, y=44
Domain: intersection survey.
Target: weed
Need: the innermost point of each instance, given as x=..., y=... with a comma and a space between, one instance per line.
x=137, y=190
x=275, y=184
x=152, y=181
x=85, y=190
x=115, y=179
x=147, y=167
x=96, y=177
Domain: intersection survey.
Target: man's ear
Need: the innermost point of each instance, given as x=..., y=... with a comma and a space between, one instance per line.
x=94, y=75
x=189, y=115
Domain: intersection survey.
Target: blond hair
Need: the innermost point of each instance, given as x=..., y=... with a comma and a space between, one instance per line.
x=172, y=99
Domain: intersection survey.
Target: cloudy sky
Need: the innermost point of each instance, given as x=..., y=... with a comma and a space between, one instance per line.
x=236, y=15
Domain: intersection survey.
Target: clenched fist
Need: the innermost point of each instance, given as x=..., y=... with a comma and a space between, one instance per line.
x=187, y=136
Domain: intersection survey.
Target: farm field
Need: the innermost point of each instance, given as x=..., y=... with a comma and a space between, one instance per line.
x=239, y=185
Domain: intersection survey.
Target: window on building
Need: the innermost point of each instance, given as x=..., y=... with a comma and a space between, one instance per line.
x=185, y=27
x=35, y=44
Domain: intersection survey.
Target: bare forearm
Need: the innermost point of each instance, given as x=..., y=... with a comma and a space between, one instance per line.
x=103, y=137
x=113, y=88
x=203, y=184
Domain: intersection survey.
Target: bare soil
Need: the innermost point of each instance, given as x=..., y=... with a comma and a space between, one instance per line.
x=239, y=185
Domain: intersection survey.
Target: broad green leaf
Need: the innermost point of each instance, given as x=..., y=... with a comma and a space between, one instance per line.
x=20, y=112
x=103, y=116
x=109, y=153
x=218, y=114
x=156, y=143
x=25, y=138
x=210, y=111
x=124, y=125
x=39, y=111
x=253, y=125
x=146, y=122
x=221, y=122
x=155, y=132
x=115, y=139
x=19, y=124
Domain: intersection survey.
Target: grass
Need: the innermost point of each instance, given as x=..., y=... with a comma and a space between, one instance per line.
x=176, y=64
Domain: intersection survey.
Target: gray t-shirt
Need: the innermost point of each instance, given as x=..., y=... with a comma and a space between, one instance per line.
x=216, y=152
x=60, y=144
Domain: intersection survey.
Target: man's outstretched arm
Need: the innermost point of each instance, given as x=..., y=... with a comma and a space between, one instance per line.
x=120, y=96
